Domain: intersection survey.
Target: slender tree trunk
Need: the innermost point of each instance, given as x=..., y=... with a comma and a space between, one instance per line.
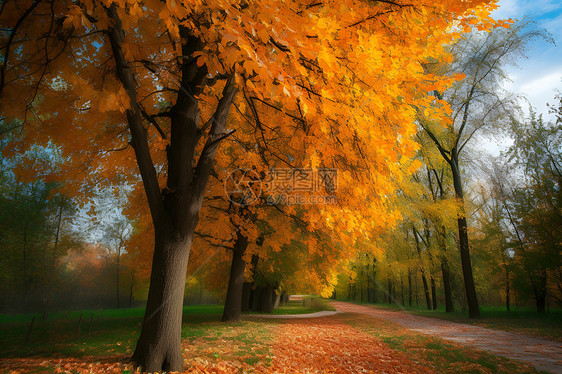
x=507, y=290
x=402, y=290
x=200, y=296
x=368, y=281
x=389, y=291
x=469, y=286
x=117, y=278
x=416, y=293
x=447, y=285
x=426, y=291
x=424, y=279
x=233, y=304
x=25, y=275
x=361, y=292
x=409, y=287
x=131, y=290
x=433, y=293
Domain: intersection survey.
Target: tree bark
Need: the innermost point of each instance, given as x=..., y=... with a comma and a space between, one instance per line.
x=389, y=291
x=266, y=302
x=256, y=299
x=285, y=297
x=174, y=211
x=449, y=306
x=409, y=287
x=117, y=278
x=233, y=303
x=159, y=345
x=131, y=290
x=424, y=279
x=276, y=300
x=507, y=290
x=433, y=293
x=246, y=296
x=540, y=294
x=469, y=286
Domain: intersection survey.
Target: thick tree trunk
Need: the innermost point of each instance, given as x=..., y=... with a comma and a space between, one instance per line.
x=233, y=304
x=256, y=299
x=447, y=285
x=159, y=345
x=276, y=300
x=266, y=304
x=285, y=297
x=540, y=294
x=246, y=294
x=541, y=302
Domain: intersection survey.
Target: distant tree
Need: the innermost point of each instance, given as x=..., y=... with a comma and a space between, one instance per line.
x=477, y=104
x=535, y=204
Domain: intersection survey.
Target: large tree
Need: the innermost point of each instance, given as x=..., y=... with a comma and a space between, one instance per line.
x=477, y=104
x=153, y=82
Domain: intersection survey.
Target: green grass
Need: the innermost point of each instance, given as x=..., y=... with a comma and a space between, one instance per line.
x=112, y=331
x=246, y=345
x=525, y=320
x=309, y=305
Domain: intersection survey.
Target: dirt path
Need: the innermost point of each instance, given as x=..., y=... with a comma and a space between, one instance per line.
x=324, y=345
x=542, y=354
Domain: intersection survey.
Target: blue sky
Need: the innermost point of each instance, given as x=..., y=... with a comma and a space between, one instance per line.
x=541, y=74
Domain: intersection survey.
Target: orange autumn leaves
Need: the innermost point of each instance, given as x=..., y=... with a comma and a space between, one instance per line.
x=345, y=343
x=320, y=85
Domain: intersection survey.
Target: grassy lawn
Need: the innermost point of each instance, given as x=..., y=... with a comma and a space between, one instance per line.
x=309, y=305
x=525, y=321
x=109, y=338
x=101, y=332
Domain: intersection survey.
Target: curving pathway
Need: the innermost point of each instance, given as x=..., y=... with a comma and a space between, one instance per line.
x=541, y=353
x=323, y=313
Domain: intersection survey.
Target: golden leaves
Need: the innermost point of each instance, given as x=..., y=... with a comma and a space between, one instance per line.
x=76, y=18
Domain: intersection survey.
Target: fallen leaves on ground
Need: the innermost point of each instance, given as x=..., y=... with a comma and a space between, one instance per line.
x=430, y=351
x=328, y=345
x=344, y=343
